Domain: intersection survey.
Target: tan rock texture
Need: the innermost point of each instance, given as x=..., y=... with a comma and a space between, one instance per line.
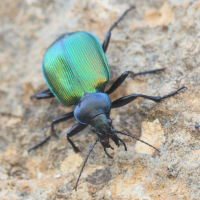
x=157, y=34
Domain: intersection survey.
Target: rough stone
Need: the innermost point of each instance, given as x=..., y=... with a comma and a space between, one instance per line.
x=157, y=34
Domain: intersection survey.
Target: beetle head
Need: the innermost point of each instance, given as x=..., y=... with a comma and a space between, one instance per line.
x=102, y=126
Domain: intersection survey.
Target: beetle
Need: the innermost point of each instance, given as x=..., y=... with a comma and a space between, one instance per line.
x=76, y=72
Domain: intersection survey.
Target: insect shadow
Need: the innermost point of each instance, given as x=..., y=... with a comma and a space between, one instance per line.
x=76, y=72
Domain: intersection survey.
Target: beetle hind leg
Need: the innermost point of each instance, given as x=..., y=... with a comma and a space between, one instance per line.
x=40, y=143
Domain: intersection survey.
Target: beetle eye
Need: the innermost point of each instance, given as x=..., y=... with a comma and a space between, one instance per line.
x=109, y=121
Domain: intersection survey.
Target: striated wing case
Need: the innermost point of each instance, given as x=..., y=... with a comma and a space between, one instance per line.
x=73, y=65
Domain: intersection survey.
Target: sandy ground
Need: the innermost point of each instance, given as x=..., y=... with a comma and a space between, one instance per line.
x=157, y=34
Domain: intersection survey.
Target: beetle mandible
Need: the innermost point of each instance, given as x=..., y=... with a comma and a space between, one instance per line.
x=76, y=72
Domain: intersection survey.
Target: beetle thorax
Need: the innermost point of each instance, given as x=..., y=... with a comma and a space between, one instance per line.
x=92, y=105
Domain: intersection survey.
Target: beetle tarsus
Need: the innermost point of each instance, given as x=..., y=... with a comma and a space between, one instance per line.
x=173, y=93
x=127, y=99
x=120, y=18
x=39, y=144
x=123, y=144
x=133, y=75
x=73, y=131
x=107, y=153
x=114, y=25
x=112, y=148
x=76, y=150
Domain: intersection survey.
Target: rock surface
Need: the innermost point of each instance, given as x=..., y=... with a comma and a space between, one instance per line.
x=157, y=34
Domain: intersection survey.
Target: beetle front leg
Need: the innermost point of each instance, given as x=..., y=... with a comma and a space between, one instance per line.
x=73, y=131
x=108, y=34
x=52, y=132
x=121, y=79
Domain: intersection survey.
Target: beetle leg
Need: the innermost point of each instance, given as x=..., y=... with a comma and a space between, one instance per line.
x=121, y=79
x=73, y=131
x=123, y=144
x=108, y=34
x=127, y=99
x=39, y=95
x=107, y=153
x=58, y=120
x=40, y=143
x=52, y=133
x=44, y=96
x=106, y=41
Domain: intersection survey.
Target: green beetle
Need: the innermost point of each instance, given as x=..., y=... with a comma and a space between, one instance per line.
x=76, y=71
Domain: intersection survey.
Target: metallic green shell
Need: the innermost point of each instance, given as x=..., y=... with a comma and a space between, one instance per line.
x=73, y=65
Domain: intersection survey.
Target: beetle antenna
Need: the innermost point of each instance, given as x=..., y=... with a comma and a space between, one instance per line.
x=124, y=133
x=91, y=148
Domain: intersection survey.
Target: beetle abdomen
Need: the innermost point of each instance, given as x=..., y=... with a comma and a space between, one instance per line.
x=73, y=65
